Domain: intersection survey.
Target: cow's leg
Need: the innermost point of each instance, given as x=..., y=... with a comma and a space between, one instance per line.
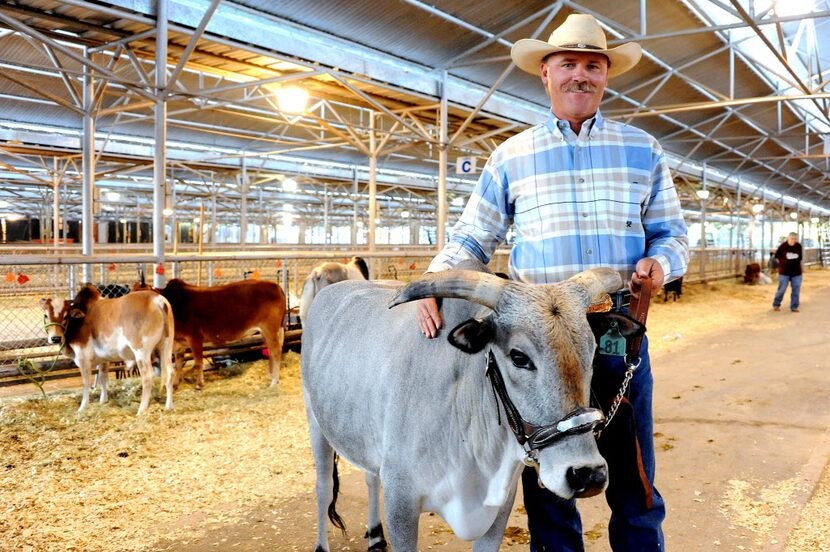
x=86, y=378
x=491, y=541
x=274, y=341
x=402, y=511
x=102, y=379
x=324, y=467
x=179, y=366
x=165, y=355
x=198, y=360
x=375, y=532
x=145, y=369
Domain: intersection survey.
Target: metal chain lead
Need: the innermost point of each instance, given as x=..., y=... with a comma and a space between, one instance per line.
x=615, y=404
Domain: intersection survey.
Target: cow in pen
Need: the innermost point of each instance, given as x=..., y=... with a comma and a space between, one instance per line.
x=446, y=427
x=222, y=314
x=131, y=328
x=330, y=273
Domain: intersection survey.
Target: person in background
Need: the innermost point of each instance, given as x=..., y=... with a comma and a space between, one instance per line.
x=790, y=257
x=582, y=192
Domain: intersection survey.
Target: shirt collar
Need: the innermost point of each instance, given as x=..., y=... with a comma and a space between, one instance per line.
x=562, y=126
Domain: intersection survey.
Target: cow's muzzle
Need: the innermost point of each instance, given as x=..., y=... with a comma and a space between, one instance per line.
x=586, y=481
x=56, y=339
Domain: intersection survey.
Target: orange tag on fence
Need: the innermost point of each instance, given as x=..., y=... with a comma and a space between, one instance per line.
x=22, y=279
x=159, y=269
x=10, y=277
x=111, y=267
x=255, y=275
x=217, y=272
x=278, y=263
x=413, y=266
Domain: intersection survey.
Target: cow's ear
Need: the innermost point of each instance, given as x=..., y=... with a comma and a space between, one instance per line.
x=44, y=302
x=75, y=312
x=471, y=336
x=600, y=323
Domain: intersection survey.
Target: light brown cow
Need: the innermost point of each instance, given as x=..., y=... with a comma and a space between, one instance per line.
x=221, y=314
x=129, y=328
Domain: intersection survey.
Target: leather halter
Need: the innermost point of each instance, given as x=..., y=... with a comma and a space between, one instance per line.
x=534, y=438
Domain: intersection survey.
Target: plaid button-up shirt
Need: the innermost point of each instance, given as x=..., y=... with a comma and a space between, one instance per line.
x=603, y=198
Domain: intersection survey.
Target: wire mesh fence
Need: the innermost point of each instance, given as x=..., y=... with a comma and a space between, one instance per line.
x=28, y=278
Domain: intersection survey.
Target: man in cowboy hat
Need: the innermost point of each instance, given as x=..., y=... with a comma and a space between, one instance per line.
x=582, y=191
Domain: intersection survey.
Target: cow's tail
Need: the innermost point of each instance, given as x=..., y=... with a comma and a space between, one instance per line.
x=335, y=518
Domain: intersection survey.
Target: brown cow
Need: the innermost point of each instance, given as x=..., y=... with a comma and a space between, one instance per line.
x=129, y=328
x=752, y=273
x=221, y=314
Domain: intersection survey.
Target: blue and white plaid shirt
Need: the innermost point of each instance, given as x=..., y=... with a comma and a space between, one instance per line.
x=603, y=198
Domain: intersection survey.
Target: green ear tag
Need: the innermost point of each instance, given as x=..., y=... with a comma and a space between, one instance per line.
x=612, y=343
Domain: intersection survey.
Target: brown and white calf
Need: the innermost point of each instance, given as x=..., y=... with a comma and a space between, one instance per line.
x=129, y=328
x=221, y=314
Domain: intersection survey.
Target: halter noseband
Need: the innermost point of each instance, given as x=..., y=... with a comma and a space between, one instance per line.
x=534, y=438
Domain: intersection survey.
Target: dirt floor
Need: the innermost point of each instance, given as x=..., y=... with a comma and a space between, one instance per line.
x=742, y=432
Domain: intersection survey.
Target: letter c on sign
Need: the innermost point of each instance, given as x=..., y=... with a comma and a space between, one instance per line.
x=466, y=167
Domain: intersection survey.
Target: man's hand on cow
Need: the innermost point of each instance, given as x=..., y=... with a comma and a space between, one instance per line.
x=650, y=268
x=429, y=317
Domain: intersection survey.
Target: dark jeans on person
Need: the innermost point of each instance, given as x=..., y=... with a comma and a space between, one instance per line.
x=795, y=293
x=555, y=524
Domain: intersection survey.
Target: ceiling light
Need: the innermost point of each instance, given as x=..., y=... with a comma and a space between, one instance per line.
x=757, y=208
x=289, y=185
x=702, y=193
x=404, y=214
x=458, y=201
x=195, y=220
x=167, y=211
x=814, y=220
x=793, y=215
x=4, y=204
x=292, y=99
x=112, y=196
x=786, y=8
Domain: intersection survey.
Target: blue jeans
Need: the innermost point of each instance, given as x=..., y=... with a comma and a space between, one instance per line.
x=783, y=280
x=635, y=525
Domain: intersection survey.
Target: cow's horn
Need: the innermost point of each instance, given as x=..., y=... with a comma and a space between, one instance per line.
x=598, y=281
x=478, y=287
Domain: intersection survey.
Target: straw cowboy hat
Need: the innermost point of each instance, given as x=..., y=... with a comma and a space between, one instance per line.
x=579, y=33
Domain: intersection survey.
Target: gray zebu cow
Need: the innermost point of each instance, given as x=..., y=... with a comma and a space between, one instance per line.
x=330, y=273
x=421, y=416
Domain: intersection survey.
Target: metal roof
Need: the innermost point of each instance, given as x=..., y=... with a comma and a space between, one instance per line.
x=698, y=89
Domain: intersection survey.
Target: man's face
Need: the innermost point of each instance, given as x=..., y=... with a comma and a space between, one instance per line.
x=791, y=240
x=575, y=82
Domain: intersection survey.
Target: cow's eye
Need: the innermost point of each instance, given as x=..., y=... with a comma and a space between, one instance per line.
x=521, y=360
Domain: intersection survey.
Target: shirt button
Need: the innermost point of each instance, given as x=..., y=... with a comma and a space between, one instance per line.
x=581, y=180
x=588, y=251
x=584, y=214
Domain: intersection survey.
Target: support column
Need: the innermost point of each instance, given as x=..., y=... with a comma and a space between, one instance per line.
x=88, y=164
x=703, y=202
x=738, y=240
x=373, y=187
x=56, y=215
x=243, y=204
x=354, y=206
x=160, y=150
x=213, y=230
x=443, y=146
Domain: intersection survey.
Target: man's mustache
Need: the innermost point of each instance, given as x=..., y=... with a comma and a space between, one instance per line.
x=579, y=87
